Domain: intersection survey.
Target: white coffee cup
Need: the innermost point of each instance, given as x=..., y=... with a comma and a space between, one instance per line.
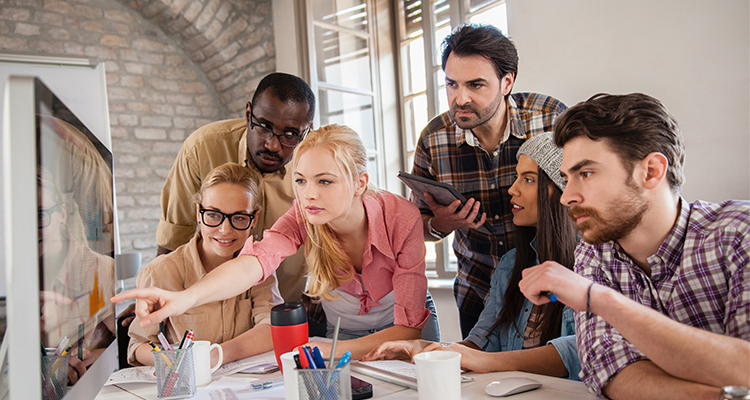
x=202, y=360
x=291, y=389
x=438, y=375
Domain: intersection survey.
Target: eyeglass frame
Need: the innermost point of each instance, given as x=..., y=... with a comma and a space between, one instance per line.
x=224, y=216
x=48, y=212
x=272, y=133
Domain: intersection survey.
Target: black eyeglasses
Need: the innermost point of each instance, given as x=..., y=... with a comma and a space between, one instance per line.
x=45, y=215
x=240, y=221
x=289, y=139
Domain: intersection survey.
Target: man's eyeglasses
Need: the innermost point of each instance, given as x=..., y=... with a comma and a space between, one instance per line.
x=289, y=139
x=45, y=215
x=240, y=221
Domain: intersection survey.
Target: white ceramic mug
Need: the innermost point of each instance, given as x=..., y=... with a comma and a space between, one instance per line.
x=438, y=375
x=202, y=360
x=290, y=376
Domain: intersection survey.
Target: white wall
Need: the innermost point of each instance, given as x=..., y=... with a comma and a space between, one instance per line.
x=693, y=55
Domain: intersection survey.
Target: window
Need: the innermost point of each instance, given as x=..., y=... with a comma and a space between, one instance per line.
x=343, y=71
x=422, y=26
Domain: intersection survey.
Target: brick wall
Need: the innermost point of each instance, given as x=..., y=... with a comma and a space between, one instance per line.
x=172, y=66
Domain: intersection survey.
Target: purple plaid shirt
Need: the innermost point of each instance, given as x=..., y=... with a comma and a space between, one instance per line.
x=445, y=153
x=699, y=276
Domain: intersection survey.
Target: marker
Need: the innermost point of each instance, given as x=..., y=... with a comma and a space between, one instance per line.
x=184, y=336
x=163, y=341
x=297, y=362
x=163, y=356
x=61, y=346
x=318, y=357
x=552, y=297
x=44, y=351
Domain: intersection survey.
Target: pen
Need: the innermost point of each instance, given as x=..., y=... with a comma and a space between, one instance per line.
x=335, y=339
x=297, y=362
x=158, y=351
x=184, y=336
x=344, y=360
x=310, y=360
x=552, y=297
x=81, y=332
x=302, y=358
x=44, y=351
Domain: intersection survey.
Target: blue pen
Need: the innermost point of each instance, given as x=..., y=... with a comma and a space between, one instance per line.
x=309, y=356
x=318, y=357
x=344, y=359
x=552, y=297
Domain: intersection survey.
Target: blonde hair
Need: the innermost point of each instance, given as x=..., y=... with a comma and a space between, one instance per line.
x=326, y=260
x=229, y=173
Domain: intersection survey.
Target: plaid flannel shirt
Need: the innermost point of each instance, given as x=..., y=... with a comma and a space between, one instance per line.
x=700, y=276
x=447, y=153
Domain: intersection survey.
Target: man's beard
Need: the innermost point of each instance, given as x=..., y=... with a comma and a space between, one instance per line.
x=482, y=116
x=623, y=215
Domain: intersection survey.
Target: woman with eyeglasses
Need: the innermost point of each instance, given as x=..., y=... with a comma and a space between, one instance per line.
x=364, y=249
x=225, y=210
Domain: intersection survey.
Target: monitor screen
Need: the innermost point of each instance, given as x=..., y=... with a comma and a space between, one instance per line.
x=58, y=192
x=75, y=229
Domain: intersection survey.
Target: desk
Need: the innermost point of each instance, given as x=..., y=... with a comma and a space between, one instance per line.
x=553, y=388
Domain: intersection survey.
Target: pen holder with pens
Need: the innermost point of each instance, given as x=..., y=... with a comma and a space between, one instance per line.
x=175, y=373
x=54, y=376
x=324, y=384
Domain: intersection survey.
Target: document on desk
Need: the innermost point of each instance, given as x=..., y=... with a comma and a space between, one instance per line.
x=132, y=375
x=239, y=365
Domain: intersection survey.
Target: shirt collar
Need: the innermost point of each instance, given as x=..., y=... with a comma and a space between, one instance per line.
x=669, y=253
x=376, y=226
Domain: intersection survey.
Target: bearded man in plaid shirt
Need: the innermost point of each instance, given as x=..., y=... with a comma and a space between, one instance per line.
x=473, y=147
x=663, y=285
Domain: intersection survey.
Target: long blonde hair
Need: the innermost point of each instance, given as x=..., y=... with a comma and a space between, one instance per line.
x=327, y=262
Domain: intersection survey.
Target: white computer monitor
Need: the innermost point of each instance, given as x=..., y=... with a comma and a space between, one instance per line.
x=58, y=229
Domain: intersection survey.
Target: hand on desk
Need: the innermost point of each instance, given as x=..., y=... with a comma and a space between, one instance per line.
x=397, y=350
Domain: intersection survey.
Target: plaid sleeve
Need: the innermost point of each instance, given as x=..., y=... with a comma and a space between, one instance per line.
x=602, y=351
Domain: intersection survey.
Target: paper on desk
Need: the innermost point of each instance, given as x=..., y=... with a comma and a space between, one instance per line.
x=239, y=365
x=132, y=375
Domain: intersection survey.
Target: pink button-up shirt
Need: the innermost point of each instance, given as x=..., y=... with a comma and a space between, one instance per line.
x=393, y=259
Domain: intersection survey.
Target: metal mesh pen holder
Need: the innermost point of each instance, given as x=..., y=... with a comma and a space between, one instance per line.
x=175, y=373
x=324, y=384
x=54, y=377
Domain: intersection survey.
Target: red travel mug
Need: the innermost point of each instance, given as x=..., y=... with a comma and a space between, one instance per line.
x=288, y=328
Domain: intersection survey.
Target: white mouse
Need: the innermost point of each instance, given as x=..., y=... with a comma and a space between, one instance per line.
x=510, y=386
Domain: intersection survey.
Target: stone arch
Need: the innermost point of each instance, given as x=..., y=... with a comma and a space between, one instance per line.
x=224, y=37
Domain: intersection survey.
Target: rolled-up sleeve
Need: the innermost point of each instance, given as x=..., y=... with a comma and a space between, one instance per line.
x=409, y=279
x=283, y=239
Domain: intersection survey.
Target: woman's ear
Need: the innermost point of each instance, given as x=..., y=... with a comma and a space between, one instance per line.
x=198, y=213
x=362, y=182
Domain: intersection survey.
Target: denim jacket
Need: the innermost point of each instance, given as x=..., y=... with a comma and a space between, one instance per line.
x=512, y=339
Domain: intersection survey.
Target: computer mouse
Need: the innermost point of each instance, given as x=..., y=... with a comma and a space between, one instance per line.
x=510, y=386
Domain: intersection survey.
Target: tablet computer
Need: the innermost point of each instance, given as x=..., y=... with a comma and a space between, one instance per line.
x=443, y=193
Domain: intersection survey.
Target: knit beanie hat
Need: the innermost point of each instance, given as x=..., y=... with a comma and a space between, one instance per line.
x=542, y=149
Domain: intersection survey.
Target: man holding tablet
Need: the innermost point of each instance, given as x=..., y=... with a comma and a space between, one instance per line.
x=473, y=148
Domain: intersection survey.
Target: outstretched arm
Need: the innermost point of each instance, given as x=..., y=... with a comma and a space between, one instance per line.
x=681, y=351
x=228, y=280
x=361, y=346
